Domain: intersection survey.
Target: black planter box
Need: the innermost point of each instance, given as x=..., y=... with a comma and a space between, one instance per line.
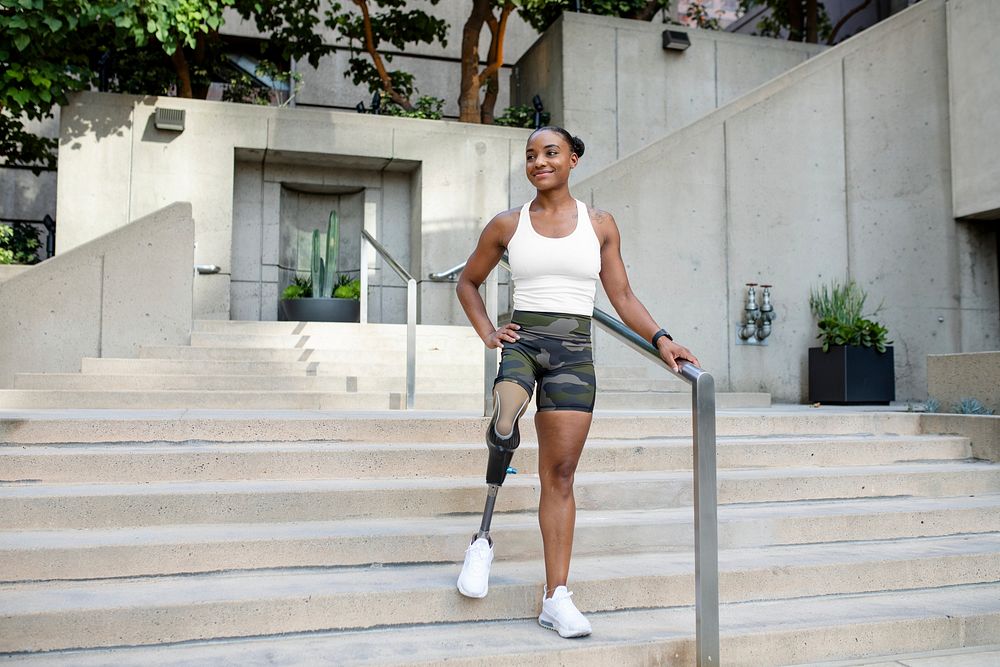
x=851, y=375
x=319, y=310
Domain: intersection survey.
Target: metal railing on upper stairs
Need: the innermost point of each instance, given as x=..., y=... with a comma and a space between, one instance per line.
x=706, y=523
x=367, y=240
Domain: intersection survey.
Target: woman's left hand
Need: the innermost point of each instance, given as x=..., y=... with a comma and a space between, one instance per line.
x=672, y=353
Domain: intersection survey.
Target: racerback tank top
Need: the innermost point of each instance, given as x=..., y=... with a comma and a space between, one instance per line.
x=555, y=275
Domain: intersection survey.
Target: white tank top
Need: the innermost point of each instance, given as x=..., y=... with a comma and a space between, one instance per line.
x=555, y=275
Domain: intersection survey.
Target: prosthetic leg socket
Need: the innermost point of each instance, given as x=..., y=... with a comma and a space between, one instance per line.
x=503, y=436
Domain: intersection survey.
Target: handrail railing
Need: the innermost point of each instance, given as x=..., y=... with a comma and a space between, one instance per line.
x=442, y=276
x=411, y=307
x=706, y=521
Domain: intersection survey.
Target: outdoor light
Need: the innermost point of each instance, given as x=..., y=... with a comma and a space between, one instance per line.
x=676, y=40
x=171, y=120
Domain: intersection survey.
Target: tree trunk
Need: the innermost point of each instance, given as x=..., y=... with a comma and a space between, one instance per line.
x=812, y=22
x=645, y=13
x=183, y=73
x=468, y=98
x=487, y=111
x=795, y=23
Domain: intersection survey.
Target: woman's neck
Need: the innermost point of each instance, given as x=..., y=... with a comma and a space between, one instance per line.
x=551, y=200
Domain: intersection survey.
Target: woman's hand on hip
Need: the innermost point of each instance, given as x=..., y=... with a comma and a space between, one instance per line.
x=673, y=353
x=506, y=333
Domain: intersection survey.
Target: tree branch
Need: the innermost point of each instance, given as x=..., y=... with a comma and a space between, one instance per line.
x=377, y=59
x=496, y=44
x=183, y=72
x=843, y=21
x=645, y=13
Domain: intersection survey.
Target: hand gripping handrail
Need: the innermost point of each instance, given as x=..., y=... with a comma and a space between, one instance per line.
x=411, y=307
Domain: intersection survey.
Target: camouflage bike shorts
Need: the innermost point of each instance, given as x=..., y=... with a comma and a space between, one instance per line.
x=555, y=351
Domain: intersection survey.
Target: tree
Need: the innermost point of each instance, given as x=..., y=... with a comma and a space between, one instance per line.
x=804, y=20
x=49, y=48
x=543, y=13
x=391, y=23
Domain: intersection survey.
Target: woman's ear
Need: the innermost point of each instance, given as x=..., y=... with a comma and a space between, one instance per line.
x=573, y=159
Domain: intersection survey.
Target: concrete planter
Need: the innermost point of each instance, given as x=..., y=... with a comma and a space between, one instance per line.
x=851, y=375
x=319, y=310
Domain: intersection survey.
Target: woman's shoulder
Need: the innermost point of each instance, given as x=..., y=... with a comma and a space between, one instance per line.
x=506, y=219
x=600, y=217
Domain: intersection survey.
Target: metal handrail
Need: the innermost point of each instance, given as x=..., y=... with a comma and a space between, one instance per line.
x=411, y=307
x=706, y=521
x=442, y=276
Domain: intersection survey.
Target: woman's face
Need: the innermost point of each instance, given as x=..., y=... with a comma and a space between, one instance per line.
x=548, y=160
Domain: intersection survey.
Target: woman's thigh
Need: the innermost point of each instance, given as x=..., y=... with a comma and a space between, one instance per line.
x=561, y=436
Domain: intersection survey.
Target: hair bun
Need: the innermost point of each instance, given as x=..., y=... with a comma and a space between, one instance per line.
x=578, y=146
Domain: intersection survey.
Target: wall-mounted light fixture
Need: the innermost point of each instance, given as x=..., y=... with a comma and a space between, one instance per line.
x=756, y=326
x=675, y=40
x=171, y=120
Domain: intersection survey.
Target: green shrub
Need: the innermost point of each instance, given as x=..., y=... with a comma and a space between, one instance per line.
x=299, y=289
x=522, y=116
x=19, y=244
x=839, y=310
x=970, y=406
x=348, y=288
x=426, y=107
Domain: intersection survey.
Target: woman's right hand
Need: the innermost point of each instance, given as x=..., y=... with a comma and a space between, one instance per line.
x=507, y=332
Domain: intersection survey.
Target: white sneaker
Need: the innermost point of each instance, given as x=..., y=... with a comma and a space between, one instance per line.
x=474, y=582
x=560, y=614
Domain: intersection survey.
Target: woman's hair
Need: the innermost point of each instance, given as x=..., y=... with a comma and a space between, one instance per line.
x=575, y=143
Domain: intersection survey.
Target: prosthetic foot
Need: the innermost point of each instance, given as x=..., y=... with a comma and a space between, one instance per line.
x=510, y=400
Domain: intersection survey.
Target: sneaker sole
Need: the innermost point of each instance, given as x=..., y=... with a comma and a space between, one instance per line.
x=470, y=595
x=551, y=626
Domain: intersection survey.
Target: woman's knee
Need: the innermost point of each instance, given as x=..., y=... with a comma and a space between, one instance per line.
x=559, y=476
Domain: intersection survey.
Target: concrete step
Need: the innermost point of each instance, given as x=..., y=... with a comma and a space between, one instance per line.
x=204, y=461
x=406, y=427
x=639, y=384
x=176, y=549
x=256, y=383
x=458, y=345
x=233, y=400
x=394, y=368
x=56, y=615
x=773, y=632
x=37, y=506
x=357, y=356
x=340, y=329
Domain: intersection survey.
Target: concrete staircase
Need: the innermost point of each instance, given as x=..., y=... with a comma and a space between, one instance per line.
x=315, y=366
x=337, y=540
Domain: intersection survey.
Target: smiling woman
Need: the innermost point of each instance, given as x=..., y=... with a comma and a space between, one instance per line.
x=558, y=249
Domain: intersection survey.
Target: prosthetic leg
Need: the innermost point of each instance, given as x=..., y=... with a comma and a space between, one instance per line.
x=510, y=400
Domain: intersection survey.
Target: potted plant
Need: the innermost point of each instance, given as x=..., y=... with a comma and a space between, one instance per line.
x=323, y=296
x=854, y=365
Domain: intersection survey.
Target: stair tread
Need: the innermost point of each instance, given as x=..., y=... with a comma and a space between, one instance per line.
x=181, y=590
x=519, y=642
x=226, y=532
x=31, y=489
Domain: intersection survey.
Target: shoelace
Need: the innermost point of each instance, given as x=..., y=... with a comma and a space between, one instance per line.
x=478, y=553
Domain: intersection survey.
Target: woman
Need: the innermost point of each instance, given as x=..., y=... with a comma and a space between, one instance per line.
x=557, y=249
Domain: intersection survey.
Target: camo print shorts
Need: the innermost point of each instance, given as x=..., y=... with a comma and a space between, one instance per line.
x=555, y=352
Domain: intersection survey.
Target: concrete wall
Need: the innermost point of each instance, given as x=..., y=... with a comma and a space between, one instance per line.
x=974, y=52
x=839, y=169
x=104, y=298
x=611, y=82
x=952, y=377
x=8, y=271
x=449, y=179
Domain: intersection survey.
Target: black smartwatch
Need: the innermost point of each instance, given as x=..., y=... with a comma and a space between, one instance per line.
x=659, y=334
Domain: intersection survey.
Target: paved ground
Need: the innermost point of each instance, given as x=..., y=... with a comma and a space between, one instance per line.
x=980, y=656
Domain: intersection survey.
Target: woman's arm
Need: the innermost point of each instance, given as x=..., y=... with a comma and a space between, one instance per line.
x=629, y=308
x=483, y=259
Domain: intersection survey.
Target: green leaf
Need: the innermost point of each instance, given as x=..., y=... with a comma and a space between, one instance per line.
x=22, y=41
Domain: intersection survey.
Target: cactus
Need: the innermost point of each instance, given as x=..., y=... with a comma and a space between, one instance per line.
x=323, y=271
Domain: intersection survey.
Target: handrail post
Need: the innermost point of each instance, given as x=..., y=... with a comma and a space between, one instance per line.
x=411, y=341
x=706, y=532
x=490, y=356
x=363, y=277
